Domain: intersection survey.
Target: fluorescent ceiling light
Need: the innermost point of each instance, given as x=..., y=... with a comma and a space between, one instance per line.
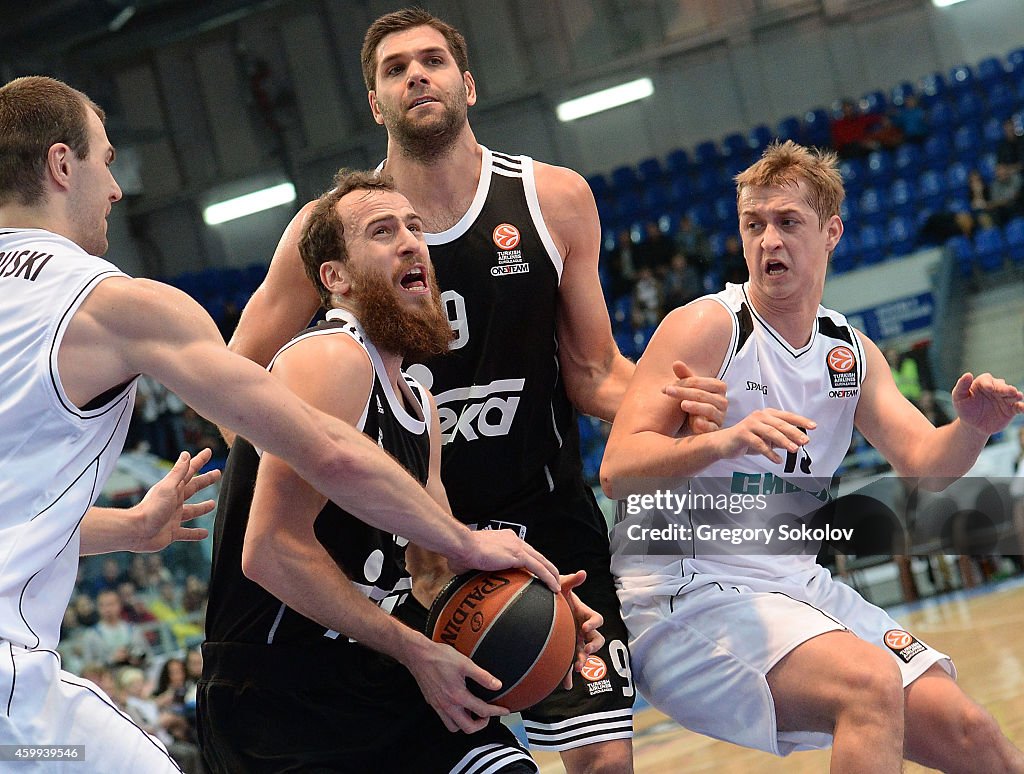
x=605, y=99
x=944, y=3
x=257, y=201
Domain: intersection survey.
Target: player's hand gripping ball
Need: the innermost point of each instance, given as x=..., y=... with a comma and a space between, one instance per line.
x=512, y=625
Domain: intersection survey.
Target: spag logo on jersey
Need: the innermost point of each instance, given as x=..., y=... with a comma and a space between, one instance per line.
x=842, y=368
x=510, y=258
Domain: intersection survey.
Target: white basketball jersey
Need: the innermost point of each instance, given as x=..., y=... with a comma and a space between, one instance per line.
x=821, y=381
x=54, y=457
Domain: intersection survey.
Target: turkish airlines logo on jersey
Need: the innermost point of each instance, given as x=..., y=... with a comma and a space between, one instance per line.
x=506, y=236
x=842, y=365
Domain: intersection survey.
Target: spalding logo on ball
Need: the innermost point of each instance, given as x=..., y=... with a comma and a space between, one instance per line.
x=513, y=626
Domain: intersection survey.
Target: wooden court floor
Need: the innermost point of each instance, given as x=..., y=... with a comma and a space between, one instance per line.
x=983, y=632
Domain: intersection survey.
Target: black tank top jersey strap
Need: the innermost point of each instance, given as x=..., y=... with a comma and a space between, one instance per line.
x=511, y=445
x=240, y=610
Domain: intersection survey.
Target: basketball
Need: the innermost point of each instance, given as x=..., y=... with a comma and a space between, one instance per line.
x=513, y=626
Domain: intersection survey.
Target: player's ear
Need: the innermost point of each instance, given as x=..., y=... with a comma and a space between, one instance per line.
x=833, y=231
x=371, y=96
x=470, y=84
x=58, y=165
x=336, y=277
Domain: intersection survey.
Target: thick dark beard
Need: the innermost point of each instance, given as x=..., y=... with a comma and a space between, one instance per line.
x=414, y=334
x=431, y=142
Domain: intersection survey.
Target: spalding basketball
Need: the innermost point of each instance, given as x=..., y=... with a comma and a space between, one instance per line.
x=513, y=626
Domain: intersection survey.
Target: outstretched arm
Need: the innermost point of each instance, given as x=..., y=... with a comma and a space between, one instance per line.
x=157, y=520
x=915, y=449
x=126, y=327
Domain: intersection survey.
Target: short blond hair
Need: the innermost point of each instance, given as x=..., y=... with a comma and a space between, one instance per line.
x=788, y=163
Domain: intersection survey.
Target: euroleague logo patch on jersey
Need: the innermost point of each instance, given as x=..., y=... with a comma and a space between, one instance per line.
x=903, y=644
x=510, y=258
x=842, y=369
x=595, y=672
x=505, y=236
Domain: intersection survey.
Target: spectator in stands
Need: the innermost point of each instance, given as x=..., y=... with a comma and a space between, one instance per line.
x=692, y=241
x=655, y=251
x=1005, y=194
x=1010, y=149
x=72, y=654
x=85, y=610
x=622, y=269
x=932, y=411
x=201, y=434
x=885, y=134
x=851, y=131
x=647, y=297
x=168, y=609
x=139, y=575
x=156, y=570
x=911, y=120
x=905, y=373
x=133, y=609
x=227, y=320
x=171, y=686
x=111, y=576
x=170, y=728
x=114, y=641
x=734, y=265
x=682, y=283
x=980, y=198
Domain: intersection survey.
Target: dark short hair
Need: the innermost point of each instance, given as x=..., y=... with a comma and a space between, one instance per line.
x=400, y=21
x=36, y=113
x=323, y=233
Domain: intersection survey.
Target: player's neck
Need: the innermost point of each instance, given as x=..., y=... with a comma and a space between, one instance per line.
x=17, y=216
x=439, y=189
x=794, y=322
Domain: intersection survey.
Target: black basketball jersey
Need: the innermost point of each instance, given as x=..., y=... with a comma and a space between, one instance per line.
x=511, y=441
x=240, y=610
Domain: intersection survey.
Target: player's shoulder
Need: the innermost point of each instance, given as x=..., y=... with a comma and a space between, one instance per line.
x=560, y=179
x=329, y=345
x=704, y=319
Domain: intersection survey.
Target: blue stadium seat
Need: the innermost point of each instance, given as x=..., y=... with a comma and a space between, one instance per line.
x=871, y=204
x=879, y=164
x=709, y=182
x=967, y=145
x=968, y=108
x=933, y=88
x=991, y=132
x=961, y=77
x=1001, y=100
x=1015, y=61
x=931, y=190
x=649, y=171
x=906, y=159
x=937, y=149
x=628, y=206
x=678, y=162
x=956, y=179
x=990, y=71
x=854, y=175
x=655, y=198
x=987, y=166
x=844, y=258
x=1013, y=235
x=760, y=137
x=900, y=92
x=735, y=144
x=724, y=208
x=902, y=197
x=680, y=191
x=606, y=209
x=940, y=115
x=817, y=128
x=872, y=245
x=963, y=254
x=706, y=154
x=624, y=178
x=989, y=249
x=599, y=185
x=900, y=235
x=716, y=242
x=702, y=215
x=789, y=128
x=848, y=211
x=874, y=102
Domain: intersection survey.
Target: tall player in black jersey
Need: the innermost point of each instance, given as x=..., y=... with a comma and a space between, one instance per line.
x=516, y=245
x=297, y=625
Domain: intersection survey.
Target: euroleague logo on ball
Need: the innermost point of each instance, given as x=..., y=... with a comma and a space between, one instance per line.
x=594, y=669
x=506, y=236
x=841, y=359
